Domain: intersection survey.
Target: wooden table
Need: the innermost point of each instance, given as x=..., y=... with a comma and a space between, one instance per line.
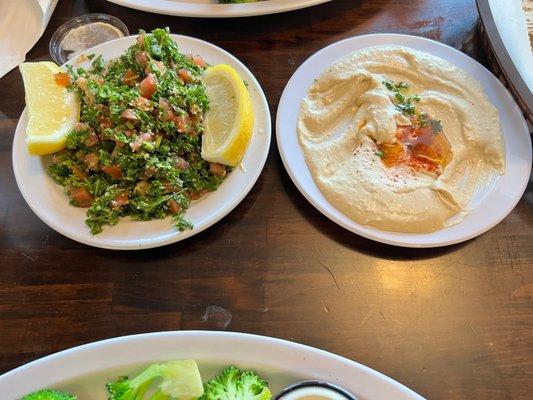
x=451, y=323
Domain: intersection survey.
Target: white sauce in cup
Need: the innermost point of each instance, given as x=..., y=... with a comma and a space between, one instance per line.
x=313, y=393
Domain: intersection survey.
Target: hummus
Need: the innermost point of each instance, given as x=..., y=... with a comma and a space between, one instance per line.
x=399, y=139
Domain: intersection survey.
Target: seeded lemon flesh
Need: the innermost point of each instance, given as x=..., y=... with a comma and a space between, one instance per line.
x=52, y=108
x=229, y=122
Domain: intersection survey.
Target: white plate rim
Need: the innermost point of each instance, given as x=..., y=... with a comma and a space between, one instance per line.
x=175, y=236
x=392, y=238
x=71, y=359
x=185, y=9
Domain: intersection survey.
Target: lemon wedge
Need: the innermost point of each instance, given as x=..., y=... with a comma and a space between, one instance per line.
x=229, y=122
x=52, y=108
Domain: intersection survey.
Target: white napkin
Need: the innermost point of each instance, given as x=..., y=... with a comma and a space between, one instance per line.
x=22, y=23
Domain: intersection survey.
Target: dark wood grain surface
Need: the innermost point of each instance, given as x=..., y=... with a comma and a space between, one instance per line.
x=451, y=323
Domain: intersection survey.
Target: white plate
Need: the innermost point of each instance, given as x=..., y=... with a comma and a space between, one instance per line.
x=85, y=369
x=489, y=206
x=49, y=201
x=211, y=8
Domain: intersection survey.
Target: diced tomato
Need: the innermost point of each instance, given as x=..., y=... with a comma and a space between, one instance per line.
x=185, y=75
x=181, y=122
x=62, y=79
x=149, y=171
x=81, y=197
x=106, y=123
x=80, y=126
x=120, y=200
x=168, y=114
x=147, y=86
x=130, y=77
x=114, y=171
x=175, y=208
x=143, y=104
x=92, y=139
x=197, y=195
x=129, y=114
x=143, y=137
x=92, y=161
x=160, y=66
x=196, y=59
x=141, y=58
x=217, y=169
x=78, y=173
x=170, y=188
x=181, y=163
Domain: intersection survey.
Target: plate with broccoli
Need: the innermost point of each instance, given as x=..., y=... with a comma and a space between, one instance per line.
x=217, y=8
x=145, y=164
x=197, y=365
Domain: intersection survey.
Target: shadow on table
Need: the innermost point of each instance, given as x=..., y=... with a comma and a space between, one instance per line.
x=198, y=242
x=353, y=241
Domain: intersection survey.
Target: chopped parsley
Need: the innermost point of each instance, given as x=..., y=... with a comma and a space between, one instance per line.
x=406, y=105
x=137, y=149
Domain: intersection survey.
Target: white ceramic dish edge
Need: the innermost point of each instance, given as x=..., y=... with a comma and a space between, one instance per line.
x=243, y=348
x=173, y=236
x=392, y=238
x=217, y=10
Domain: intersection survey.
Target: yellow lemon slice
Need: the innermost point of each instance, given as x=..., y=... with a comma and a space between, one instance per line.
x=52, y=108
x=229, y=122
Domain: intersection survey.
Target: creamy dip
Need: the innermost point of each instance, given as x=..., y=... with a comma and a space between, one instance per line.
x=313, y=393
x=350, y=116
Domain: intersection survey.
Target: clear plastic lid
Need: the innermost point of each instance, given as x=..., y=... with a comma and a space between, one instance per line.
x=82, y=33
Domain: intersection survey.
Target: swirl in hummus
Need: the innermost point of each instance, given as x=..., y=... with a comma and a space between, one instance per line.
x=399, y=139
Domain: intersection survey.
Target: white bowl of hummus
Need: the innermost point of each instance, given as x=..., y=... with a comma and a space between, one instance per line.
x=403, y=140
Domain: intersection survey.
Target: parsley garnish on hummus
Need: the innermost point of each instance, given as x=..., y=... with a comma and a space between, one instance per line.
x=406, y=105
x=136, y=150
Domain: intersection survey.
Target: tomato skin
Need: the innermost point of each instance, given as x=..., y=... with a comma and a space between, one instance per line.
x=130, y=77
x=114, y=171
x=199, y=194
x=92, y=139
x=78, y=173
x=147, y=87
x=199, y=61
x=217, y=169
x=92, y=161
x=81, y=197
x=62, y=79
x=185, y=75
x=120, y=200
x=129, y=114
x=181, y=122
x=141, y=58
x=175, y=208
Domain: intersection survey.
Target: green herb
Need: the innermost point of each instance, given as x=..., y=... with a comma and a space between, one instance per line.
x=379, y=153
x=406, y=105
x=403, y=103
x=435, y=124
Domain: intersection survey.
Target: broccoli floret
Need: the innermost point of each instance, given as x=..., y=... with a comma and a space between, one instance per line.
x=179, y=380
x=48, y=394
x=234, y=384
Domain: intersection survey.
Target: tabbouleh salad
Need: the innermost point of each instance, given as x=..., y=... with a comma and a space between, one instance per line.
x=136, y=150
